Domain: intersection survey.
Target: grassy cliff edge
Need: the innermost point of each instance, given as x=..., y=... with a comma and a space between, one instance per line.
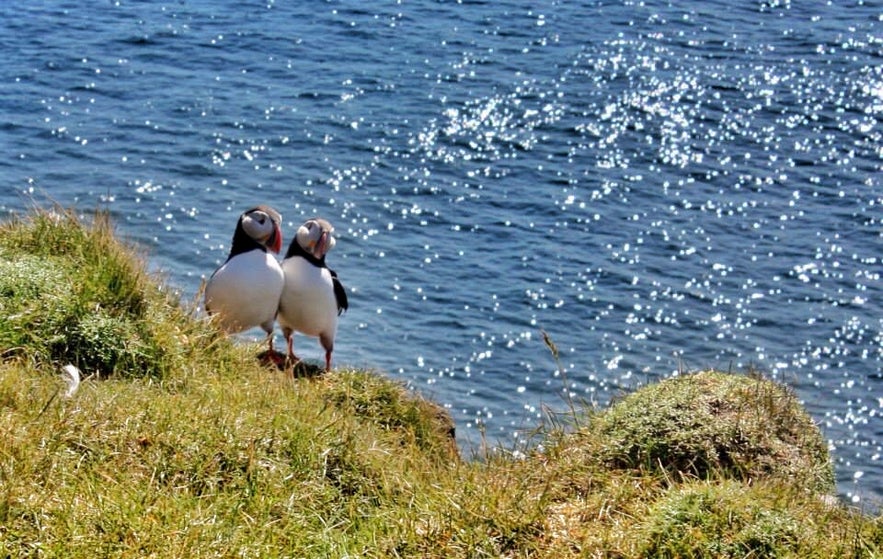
x=179, y=443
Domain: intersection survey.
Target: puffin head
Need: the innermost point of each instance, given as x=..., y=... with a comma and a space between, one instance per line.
x=263, y=225
x=314, y=236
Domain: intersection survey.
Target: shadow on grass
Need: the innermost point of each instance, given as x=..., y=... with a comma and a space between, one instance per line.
x=279, y=361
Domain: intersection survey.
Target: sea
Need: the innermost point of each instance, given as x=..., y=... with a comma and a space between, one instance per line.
x=535, y=203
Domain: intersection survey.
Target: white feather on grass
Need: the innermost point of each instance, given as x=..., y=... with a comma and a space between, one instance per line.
x=72, y=377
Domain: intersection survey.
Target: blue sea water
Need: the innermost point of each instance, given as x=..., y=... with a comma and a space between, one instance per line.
x=659, y=187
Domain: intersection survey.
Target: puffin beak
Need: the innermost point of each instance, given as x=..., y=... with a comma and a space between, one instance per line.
x=321, y=245
x=275, y=240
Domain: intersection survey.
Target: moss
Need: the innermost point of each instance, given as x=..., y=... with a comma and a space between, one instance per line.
x=712, y=423
x=105, y=344
x=723, y=520
x=32, y=294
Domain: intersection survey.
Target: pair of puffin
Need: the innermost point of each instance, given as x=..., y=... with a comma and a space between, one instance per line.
x=252, y=289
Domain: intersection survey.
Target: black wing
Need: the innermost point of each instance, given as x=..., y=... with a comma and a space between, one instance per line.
x=339, y=293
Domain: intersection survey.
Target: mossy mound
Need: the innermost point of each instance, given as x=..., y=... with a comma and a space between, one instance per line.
x=71, y=292
x=713, y=423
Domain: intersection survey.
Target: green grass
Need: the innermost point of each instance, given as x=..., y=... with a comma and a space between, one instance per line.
x=181, y=444
x=76, y=294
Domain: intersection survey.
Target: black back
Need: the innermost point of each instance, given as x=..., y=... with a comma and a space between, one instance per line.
x=339, y=293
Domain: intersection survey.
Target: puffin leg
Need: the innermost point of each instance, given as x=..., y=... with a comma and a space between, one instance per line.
x=277, y=359
x=328, y=345
x=289, y=338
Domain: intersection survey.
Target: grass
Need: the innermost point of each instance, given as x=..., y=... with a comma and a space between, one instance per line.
x=75, y=294
x=181, y=444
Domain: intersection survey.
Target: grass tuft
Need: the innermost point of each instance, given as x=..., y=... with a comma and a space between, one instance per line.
x=73, y=293
x=733, y=519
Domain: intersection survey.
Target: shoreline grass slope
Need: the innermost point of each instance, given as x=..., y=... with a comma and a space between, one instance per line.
x=179, y=443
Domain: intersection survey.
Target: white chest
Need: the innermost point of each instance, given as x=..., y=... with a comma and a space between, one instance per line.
x=245, y=291
x=307, y=303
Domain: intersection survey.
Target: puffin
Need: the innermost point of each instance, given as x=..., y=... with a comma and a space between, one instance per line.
x=244, y=292
x=313, y=297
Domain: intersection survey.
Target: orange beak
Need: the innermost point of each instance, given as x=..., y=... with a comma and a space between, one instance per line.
x=275, y=240
x=321, y=246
